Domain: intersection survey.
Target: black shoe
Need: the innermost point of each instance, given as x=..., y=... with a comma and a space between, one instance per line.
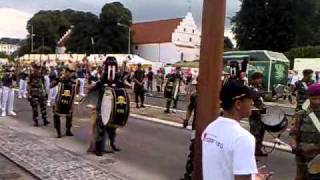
x=185, y=124
x=115, y=148
x=36, y=124
x=69, y=133
x=45, y=122
x=167, y=111
x=59, y=136
x=259, y=153
x=98, y=153
x=138, y=107
x=142, y=106
x=108, y=151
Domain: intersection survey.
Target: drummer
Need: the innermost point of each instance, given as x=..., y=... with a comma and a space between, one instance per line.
x=256, y=126
x=67, y=78
x=305, y=135
x=120, y=81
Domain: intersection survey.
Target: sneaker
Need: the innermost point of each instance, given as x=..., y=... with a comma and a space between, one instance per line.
x=20, y=97
x=25, y=96
x=11, y=113
x=174, y=111
x=4, y=114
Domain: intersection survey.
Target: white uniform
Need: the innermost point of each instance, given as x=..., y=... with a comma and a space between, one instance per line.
x=7, y=99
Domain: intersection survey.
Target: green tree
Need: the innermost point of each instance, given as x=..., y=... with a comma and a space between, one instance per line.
x=112, y=37
x=276, y=25
x=50, y=26
x=228, y=45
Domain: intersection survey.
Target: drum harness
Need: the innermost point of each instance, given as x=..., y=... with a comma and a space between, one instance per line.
x=276, y=138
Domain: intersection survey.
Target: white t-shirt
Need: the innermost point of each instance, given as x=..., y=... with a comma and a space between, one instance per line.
x=227, y=150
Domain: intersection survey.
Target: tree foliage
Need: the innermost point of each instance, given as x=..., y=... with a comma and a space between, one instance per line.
x=50, y=26
x=277, y=25
x=228, y=45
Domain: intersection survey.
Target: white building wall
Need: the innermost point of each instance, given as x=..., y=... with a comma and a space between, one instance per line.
x=163, y=52
x=185, y=40
x=8, y=48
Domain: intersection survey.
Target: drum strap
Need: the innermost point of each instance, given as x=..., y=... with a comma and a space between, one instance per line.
x=311, y=115
x=315, y=120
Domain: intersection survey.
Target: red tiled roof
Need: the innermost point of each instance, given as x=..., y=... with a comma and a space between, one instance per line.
x=154, y=31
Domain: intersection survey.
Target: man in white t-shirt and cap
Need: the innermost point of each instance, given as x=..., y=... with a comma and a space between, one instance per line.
x=228, y=150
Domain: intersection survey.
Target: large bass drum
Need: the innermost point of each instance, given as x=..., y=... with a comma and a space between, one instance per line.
x=115, y=107
x=171, y=89
x=64, y=101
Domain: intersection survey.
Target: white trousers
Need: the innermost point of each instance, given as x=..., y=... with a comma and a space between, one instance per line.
x=82, y=81
x=53, y=94
x=7, y=99
x=22, y=87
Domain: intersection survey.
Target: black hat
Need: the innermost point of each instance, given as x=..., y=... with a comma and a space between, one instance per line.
x=307, y=72
x=233, y=91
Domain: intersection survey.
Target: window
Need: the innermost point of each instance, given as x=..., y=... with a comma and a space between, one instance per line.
x=137, y=47
x=190, y=39
x=193, y=31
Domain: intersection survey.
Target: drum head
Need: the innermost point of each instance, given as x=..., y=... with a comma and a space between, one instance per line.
x=107, y=106
x=314, y=165
x=275, y=121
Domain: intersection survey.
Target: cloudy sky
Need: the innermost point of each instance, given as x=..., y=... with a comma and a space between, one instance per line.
x=15, y=13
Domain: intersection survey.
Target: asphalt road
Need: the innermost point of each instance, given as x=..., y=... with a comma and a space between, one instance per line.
x=154, y=151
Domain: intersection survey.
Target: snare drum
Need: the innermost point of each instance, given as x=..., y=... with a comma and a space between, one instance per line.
x=64, y=101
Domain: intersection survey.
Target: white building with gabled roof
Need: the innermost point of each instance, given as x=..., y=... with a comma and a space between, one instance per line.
x=167, y=41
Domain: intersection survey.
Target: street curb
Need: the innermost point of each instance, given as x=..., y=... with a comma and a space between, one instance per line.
x=178, y=125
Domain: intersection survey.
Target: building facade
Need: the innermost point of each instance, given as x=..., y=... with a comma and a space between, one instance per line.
x=167, y=41
x=8, y=49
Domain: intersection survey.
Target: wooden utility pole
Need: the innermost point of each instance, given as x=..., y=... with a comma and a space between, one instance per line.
x=211, y=67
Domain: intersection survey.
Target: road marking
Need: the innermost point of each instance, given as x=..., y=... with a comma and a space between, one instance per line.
x=174, y=124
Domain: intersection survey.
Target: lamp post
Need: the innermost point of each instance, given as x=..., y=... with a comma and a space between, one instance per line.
x=32, y=35
x=129, y=35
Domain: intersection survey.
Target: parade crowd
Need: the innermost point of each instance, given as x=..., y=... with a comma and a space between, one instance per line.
x=226, y=154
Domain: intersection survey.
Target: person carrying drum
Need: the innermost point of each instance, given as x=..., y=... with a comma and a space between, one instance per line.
x=255, y=120
x=37, y=95
x=301, y=88
x=173, y=83
x=64, y=100
x=305, y=133
x=111, y=78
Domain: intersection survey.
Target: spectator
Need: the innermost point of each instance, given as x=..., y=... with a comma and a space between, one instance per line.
x=159, y=80
x=139, y=90
x=150, y=80
x=227, y=148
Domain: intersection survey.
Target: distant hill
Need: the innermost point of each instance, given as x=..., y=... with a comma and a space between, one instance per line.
x=10, y=41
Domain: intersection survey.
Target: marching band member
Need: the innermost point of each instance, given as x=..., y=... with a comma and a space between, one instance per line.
x=118, y=80
x=255, y=120
x=305, y=134
x=37, y=94
x=8, y=82
x=67, y=80
x=175, y=78
x=81, y=78
x=23, y=83
x=53, y=90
